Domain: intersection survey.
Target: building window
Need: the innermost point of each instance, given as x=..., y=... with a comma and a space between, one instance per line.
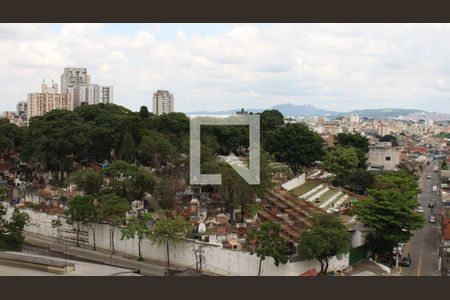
x=388, y=158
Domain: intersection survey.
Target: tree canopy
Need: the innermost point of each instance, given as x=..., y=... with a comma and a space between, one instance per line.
x=11, y=231
x=327, y=238
x=267, y=242
x=389, y=211
x=169, y=232
x=296, y=145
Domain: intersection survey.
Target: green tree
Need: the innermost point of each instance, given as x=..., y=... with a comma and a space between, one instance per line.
x=88, y=180
x=11, y=231
x=154, y=148
x=120, y=174
x=167, y=187
x=56, y=139
x=127, y=148
x=296, y=145
x=137, y=227
x=57, y=224
x=270, y=120
x=169, y=232
x=389, y=138
x=326, y=239
x=267, y=242
x=112, y=211
x=359, y=181
x=234, y=190
x=78, y=212
x=106, y=125
x=11, y=136
x=357, y=141
x=143, y=182
x=341, y=161
x=130, y=181
x=143, y=113
x=389, y=211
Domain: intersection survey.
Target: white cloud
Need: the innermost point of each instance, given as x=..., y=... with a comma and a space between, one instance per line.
x=334, y=66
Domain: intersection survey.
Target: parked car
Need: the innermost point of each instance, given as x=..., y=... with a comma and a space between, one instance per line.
x=434, y=188
x=432, y=219
x=428, y=176
x=406, y=262
x=431, y=204
x=420, y=209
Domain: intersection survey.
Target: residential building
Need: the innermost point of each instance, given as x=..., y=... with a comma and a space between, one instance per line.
x=383, y=156
x=163, y=102
x=19, y=117
x=14, y=118
x=91, y=94
x=73, y=77
x=354, y=118
x=22, y=108
x=38, y=104
x=383, y=129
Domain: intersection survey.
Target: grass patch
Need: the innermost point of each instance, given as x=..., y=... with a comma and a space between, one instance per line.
x=304, y=188
x=328, y=195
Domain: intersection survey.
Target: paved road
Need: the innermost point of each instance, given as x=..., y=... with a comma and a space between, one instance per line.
x=424, y=244
x=147, y=268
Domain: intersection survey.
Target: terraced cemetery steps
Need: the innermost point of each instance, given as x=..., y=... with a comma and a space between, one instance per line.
x=311, y=192
x=295, y=211
x=289, y=231
x=331, y=200
x=341, y=200
x=318, y=194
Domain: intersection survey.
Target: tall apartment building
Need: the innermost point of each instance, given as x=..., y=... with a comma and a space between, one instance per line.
x=91, y=94
x=163, y=102
x=38, y=104
x=73, y=77
x=76, y=82
x=354, y=118
x=383, y=129
x=22, y=108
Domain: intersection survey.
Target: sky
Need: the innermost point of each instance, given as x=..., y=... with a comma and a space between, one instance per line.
x=215, y=67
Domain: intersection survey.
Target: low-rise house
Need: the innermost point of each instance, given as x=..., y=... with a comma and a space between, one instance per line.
x=383, y=156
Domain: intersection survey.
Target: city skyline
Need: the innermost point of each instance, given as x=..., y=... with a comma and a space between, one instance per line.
x=220, y=67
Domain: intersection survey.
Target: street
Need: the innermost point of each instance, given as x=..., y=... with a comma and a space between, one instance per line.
x=147, y=268
x=424, y=244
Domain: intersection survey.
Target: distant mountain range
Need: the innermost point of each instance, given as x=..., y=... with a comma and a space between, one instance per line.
x=310, y=110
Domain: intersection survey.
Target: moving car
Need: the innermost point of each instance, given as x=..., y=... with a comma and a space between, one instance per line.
x=420, y=209
x=432, y=219
x=431, y=204
x=429, y=177
x=434, y=188
x=406, y=262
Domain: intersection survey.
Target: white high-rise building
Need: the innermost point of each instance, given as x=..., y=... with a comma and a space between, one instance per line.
x=163, y=102
x=354, y=118
x=91, y=94
x=73, y=77
x=383, y=129
x=77, y=84
x=38, y=104
x=106, y=94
